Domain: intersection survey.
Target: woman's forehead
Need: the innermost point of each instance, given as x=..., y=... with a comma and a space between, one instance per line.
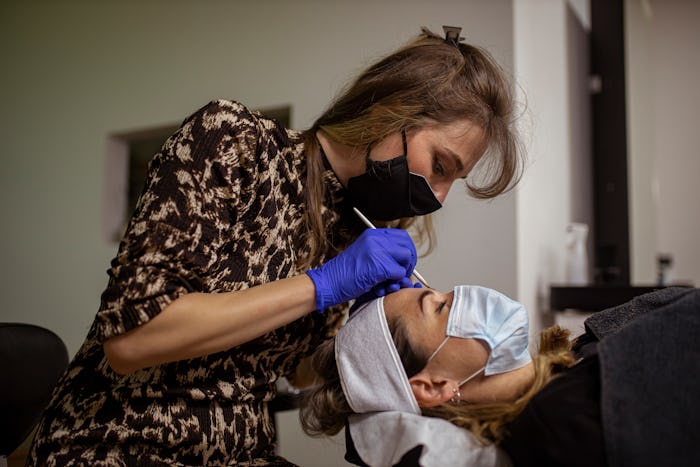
x=403, y=302
x=423, y=312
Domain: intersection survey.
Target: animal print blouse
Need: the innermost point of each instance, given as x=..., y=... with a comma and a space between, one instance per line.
x=222, y=210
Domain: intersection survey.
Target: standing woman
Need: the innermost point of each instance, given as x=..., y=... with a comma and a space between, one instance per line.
x=244, y=250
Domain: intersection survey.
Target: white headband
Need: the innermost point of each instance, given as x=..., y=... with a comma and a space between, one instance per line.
x=369, y=366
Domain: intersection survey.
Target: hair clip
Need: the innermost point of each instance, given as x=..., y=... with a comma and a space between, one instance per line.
x=452, y=34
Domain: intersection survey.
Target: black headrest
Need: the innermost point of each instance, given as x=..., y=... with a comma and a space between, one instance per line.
x=31, y=361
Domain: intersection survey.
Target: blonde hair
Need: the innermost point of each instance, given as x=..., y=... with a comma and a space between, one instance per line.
x=427, y=81
x=486, y=419
x=325, y=409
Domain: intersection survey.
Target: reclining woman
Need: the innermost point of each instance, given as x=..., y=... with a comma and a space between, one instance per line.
x=463, y=358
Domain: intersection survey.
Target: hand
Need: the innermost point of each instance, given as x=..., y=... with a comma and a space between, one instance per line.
x=378, y=256
x=388, y=287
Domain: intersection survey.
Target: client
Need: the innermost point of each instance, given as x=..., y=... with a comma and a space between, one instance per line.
x=604, y=399
x=461, y=356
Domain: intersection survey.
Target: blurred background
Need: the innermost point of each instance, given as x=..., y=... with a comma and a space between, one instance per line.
x=85, y=86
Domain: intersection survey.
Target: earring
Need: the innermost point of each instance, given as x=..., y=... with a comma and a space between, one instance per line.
x=457, y=397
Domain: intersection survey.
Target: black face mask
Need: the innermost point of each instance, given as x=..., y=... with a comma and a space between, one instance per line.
x=388, y=191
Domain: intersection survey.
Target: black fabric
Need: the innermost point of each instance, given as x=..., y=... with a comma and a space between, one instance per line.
x=409, y=459
x=609, y=322
x=388, y=190
x=633, y=399
x=651, y=387
x=351, y=454
x=31, y=361
x=561, y=426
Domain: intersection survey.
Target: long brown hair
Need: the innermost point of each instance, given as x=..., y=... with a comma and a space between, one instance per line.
x=325, y=409
x=428, y=81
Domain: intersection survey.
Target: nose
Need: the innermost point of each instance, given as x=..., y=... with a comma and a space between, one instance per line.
x=441, y=189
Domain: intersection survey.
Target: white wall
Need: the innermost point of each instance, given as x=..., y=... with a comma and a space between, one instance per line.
x=663, y=69
x=554, y=191
x=75, y=72
x=640, y=143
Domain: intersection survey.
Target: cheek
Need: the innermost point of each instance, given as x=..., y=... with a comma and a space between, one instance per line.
x=424, y=166
x=420, y=165
x=440, y=186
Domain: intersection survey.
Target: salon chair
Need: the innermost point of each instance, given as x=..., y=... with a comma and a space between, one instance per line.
x=31, y=361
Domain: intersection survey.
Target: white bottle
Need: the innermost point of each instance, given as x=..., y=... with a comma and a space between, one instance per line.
x=576, y=255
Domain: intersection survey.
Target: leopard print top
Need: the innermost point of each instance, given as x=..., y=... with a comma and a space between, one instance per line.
x=222, y=210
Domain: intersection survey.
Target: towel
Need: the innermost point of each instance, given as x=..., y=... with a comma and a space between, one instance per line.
x=649, y=355
x=382, y=439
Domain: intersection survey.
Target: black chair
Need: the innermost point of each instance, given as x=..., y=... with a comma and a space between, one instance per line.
x=31, y=361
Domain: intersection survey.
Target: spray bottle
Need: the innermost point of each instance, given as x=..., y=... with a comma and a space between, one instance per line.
x=576, y=255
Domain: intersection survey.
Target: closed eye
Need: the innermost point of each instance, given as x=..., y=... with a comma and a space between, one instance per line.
x=441, y=307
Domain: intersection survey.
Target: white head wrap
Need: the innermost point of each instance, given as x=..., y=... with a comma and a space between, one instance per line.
x=369, y=366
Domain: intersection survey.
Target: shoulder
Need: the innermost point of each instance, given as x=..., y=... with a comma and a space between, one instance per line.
x=236, y=120
x=223, y=114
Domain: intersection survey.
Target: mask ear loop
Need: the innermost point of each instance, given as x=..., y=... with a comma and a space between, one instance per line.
x=369, y=164
x=472, y=376
x=442, y=344
x=457, y=398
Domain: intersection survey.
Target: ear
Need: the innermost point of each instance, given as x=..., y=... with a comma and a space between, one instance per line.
x=430, y=390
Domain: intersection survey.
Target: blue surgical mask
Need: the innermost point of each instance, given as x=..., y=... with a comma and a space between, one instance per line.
x=482, y=313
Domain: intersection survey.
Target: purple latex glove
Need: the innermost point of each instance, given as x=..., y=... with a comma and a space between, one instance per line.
x=377, y=258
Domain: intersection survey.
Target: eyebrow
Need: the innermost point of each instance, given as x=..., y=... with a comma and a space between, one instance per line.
x=421, y=298
x=455, y=158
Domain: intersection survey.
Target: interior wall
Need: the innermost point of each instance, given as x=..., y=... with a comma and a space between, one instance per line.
x=677, y=158
x=75, y=72
x=639, y=73
x=663, y=98
x=549, y=56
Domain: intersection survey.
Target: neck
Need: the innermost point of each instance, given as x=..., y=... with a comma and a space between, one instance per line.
x=346, y=161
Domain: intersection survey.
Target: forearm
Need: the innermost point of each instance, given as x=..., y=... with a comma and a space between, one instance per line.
x=199, y=324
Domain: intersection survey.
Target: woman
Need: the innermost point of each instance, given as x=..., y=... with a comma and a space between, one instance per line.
x=602, y=399
x=460, y=353
x=244, y=229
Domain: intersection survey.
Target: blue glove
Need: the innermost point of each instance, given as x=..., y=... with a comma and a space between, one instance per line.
x=385, y=288
x=377, y=256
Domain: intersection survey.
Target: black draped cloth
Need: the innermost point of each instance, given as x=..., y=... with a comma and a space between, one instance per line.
x=633, y=399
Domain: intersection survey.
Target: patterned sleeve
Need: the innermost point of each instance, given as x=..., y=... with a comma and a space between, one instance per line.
x=200, y=183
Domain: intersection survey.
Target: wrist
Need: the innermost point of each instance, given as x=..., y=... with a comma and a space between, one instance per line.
x=323, y=293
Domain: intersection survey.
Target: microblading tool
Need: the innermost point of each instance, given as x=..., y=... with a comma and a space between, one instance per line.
x=369, y=224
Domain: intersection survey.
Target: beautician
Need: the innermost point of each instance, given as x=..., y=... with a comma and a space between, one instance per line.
x=244, y=250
